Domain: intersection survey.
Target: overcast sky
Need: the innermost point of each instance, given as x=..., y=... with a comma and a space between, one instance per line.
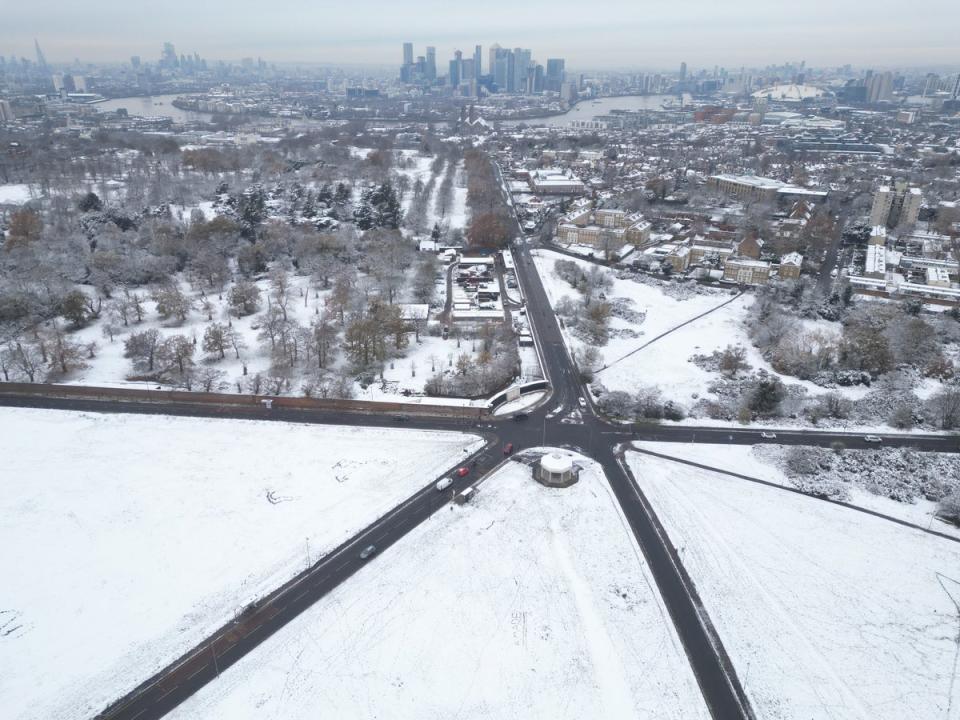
x=591, y=35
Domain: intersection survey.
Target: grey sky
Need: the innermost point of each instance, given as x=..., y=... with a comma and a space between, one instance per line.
x=596, y=34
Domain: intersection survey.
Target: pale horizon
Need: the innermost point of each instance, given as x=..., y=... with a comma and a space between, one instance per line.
x=617, y=34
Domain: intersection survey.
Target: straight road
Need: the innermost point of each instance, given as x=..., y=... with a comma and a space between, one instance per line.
x=185, y=676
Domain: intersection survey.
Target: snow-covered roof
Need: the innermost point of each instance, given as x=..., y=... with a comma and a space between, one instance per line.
x=556, y=463
x=791, y=92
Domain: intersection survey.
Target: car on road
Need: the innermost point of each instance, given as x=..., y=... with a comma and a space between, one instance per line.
x=520, y=417
x=873, y=439
x=444, y=483
x=583, y=403
x=367, y=551
x=463, y=472
x=768, y=435
x=508, y=448
x=400, y=418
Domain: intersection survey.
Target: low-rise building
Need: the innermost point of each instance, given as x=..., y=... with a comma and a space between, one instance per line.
x=745, y=271
x=552, y=181
x=790, y=265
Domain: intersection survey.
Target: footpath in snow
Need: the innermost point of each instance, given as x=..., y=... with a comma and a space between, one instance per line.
x=126, y=539
x=527, y=602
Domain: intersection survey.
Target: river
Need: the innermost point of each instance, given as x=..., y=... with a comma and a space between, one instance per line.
x=155, y=106
x=589, y=109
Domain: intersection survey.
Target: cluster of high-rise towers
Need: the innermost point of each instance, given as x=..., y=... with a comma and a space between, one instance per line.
x=506, y=70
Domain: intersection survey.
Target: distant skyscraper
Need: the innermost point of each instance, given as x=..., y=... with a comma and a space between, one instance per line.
x=554, y=78
x=956, y=88
x=430, y=68
x=521, y=63
x=456, y=69
x=683, y=72
x=477, y=61
x=880, y=87
x=6, y=111
x=41, y=60
x=169, y=56
x=135, y=61
x=408, y=53
x=492, y=59
x=501, y=65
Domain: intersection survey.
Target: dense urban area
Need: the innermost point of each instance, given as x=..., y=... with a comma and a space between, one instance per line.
x=505, y=388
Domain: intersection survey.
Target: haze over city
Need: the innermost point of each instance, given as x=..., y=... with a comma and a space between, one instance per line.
x=606, y=34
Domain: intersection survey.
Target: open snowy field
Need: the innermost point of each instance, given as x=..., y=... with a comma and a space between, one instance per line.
x=826, y=612
x=127, y=538
x=526, y=603
x=660, y=365
x=15, y=194
x=666, y=363
x=745, y=460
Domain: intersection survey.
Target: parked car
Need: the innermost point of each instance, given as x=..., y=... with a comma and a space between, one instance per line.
x=873, y=439
x=463, y=472
x=444, y=483
x=508, y=448
x=768, y=435
x=367, y=551
x=520, y=417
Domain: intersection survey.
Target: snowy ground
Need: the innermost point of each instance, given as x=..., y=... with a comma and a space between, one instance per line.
x=127, y=538
x=408, y=373
x=521, y=403
x=666, y=363
x=745, y=460
x=826, y=612
x=526, y=603
x=15, y=194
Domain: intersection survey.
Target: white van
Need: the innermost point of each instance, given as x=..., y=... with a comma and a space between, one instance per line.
x=444, y=483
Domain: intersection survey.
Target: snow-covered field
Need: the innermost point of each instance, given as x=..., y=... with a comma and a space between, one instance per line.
x=666, y=363
x=826, y=612
x=126, y=539
x=526, y=603
x=745, y=460
x=16, y=194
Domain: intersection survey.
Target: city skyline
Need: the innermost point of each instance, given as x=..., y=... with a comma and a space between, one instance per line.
x=617, y=34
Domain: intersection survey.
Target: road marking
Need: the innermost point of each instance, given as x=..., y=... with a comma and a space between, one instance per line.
x=166, y=693
x=190, y=677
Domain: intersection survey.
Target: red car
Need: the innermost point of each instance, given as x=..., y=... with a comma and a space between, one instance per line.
x=508, y=449
x=463, y=472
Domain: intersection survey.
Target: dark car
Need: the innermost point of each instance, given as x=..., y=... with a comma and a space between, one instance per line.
x=400, y=418
x=520, y=417
x=508, y=448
